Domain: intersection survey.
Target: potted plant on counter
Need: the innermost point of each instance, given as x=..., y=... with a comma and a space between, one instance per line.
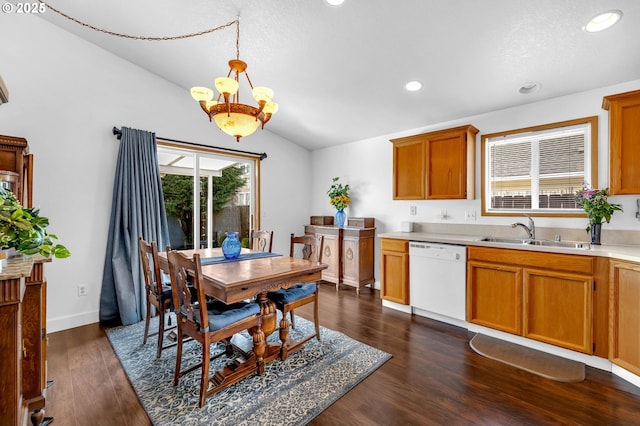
x=598, y=209
x=24, y=230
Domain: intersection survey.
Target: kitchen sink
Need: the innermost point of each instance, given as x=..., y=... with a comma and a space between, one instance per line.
x=546, y=243
x=507, y=240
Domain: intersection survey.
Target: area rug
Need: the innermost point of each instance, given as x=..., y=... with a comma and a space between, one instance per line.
x=290, y=392
x=531, y=360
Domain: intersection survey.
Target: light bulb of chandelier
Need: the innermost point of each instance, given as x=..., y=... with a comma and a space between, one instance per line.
x=201, y=93
x=270, y=108
x=262, y=93
x=226, y=85
x=236, y=124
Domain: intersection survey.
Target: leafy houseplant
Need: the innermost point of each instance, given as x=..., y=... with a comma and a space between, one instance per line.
x=24, y=229
x=595, y=204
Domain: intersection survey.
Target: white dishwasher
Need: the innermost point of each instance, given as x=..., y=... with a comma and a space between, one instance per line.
x=437, y=277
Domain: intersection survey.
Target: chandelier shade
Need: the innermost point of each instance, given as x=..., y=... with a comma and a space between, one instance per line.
x=231, y=116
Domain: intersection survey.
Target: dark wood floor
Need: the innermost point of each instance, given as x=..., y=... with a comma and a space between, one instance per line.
x=434, y=378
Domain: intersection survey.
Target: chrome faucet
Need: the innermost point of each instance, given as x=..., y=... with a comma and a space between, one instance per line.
x=531, y=229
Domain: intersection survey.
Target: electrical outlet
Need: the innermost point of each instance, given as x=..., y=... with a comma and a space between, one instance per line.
x=413, y=210
x=82, y=290
x=470, y=215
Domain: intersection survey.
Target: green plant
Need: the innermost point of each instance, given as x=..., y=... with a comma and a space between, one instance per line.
x=24, y=229
x=595, y=204
x=339, y=194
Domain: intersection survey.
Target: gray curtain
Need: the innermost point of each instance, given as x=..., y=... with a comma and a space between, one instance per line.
x=137, y=209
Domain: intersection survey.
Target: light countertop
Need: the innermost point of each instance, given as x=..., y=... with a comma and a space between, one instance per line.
x=16, y=268
x=629, y=253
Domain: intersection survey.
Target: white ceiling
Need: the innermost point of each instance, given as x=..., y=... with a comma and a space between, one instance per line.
x=338, y=72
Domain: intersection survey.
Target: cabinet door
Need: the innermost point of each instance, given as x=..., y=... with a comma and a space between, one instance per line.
x=624, y=138
x=494, y=296
x=446, y=166
x=409, y=168
x=331, y=256
x=558, y=309
x=34, y=318
x=394, y=270
x=624, y=293
x=350, y=256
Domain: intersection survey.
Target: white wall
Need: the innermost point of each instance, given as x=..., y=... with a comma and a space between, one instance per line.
x=367, y=166
x=65, y=95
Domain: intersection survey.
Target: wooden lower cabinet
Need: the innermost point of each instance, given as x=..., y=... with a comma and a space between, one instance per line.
x=558, y=309
x=624, y=344
x=542, y=296
x=394, y=270
x=349, y=254
x=494, y=296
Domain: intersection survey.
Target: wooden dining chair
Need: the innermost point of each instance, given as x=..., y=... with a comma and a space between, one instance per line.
x=158, y=294
x=261, y=240
x=288, y=299
x=217, y=323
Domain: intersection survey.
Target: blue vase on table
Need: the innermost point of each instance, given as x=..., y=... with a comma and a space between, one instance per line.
x=341, y=216
x=231, y=246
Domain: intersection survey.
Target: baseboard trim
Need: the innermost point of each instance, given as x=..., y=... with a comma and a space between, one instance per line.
x=72, y=321
x=396, y=306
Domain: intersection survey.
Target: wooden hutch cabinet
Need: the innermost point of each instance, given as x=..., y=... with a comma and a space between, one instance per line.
x=624, y=139
x=16, y=166
x=23, y=377
x=348, y=252
x=435, y=165
x=23, y=372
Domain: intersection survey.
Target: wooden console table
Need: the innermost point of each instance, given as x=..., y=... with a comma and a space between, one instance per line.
x=23, y=334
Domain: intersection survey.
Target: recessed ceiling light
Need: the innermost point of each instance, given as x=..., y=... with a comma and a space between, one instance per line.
x=603, y=21
x=334, y=2
x=413, y=86
x=527, y=88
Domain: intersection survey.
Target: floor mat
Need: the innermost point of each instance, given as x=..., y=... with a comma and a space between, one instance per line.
x=534, y=361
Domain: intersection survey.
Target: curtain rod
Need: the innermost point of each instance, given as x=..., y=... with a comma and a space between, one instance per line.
x=118, y=133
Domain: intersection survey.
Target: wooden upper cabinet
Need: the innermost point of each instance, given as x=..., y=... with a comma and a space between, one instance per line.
x=409, y=167
x=624, y=139
x=435, y=165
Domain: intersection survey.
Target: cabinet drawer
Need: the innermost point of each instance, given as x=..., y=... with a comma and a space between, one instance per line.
x=361, y=222
x=560, y=262
x=390, y=244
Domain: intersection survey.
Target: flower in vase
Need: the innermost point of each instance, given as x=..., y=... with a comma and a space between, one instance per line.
x=339, y=194
x=595, y=204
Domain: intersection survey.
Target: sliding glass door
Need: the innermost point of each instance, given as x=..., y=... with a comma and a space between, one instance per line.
x=207, y=194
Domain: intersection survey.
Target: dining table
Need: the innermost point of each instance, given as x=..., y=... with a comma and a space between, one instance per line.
x=251, y=276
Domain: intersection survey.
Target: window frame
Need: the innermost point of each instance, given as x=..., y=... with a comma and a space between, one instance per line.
x=591, y=160
x=241, y=158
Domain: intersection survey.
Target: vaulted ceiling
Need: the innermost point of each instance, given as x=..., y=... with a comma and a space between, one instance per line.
x=339, y=72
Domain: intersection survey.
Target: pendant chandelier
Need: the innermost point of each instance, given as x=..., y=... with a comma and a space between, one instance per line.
x=231, y=116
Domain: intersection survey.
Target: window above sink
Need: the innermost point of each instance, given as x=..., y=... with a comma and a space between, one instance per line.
x=537, y=170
